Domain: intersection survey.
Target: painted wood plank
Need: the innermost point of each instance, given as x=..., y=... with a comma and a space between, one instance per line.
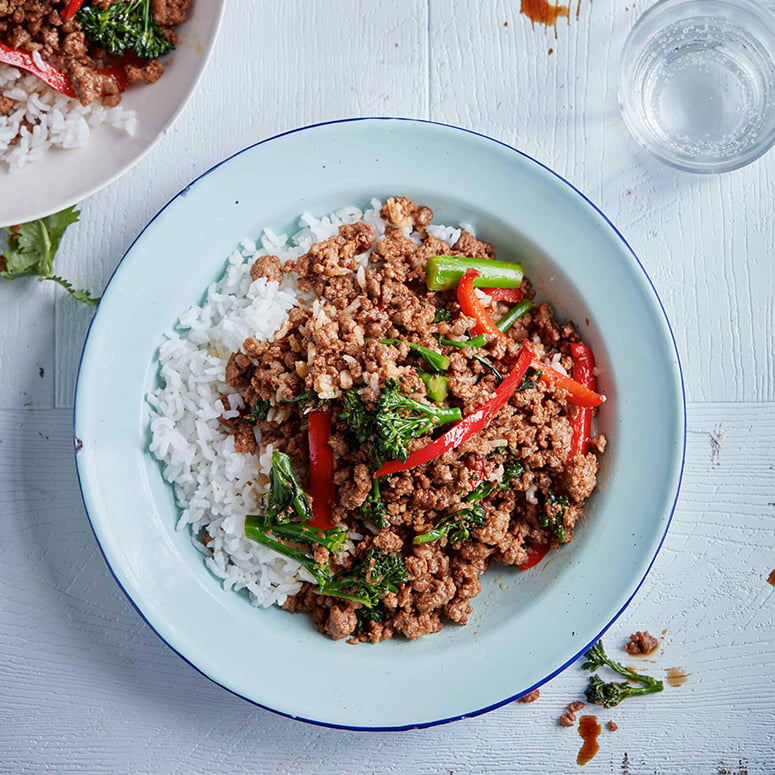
x=88, y=688
x=276, y=66
x=26, y=344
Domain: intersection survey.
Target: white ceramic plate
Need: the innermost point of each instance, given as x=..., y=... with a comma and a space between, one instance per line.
x=63, y=178
x=527, y=625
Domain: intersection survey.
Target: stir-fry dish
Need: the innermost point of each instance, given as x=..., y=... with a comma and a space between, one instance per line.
x=426, y=418
x=89, y=49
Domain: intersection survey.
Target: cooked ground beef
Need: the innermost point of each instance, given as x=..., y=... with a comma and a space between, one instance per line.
x=332, y=345
x=641, y=644
x=37, y=25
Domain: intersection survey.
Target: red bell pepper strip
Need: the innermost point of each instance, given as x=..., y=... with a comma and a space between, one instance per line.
x=511, y=295
x=119, y=76
x=578, y=394
x=581, y=422
x=468, y=426
x=71, y=9
x=321, y=468
x=534, y=555
x=472, y=307
x=477, y=477
x=56, y=79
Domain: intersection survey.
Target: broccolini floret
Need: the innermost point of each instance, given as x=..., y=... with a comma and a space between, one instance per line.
x=373, y=508
x=286, y=503
x=360, y=421
x=399, y=419
x=393, y=423
x=125, y=26
x=286, y=513
x=368, y=581
x=609, y=694
x=456, y=526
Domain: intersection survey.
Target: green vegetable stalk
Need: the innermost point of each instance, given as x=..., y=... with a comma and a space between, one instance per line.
x=436, y=386
x=387, y=430
x=436, y=360
x=287, y=510
x=31, y=248
x=477, y=341
x=514, y=314
x=456, y=526
x=443, y=273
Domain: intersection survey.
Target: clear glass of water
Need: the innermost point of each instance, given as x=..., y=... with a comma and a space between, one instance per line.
x=697, y=84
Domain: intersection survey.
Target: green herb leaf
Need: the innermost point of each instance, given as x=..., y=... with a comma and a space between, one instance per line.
x=529, y=382
x=31, y=249
x=32, y=246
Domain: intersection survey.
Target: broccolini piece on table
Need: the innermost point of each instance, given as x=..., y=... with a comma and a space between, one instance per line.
x=609, y=694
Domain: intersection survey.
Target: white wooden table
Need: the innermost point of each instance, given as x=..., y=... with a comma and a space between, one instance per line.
x=87, y=687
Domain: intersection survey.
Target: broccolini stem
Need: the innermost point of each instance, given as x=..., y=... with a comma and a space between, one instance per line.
x=597, y=657
x=513, y=315
x=477, y=341
x=437, y=360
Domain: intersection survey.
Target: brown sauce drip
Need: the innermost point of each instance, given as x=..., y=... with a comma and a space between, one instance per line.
x=771, y=578
x=544, y=12
x=589, y=729
x=676, y=676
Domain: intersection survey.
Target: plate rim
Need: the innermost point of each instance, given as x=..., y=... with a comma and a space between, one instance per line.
x=681, y=416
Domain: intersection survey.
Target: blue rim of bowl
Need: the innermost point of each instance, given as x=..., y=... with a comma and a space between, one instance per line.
x=568, y=663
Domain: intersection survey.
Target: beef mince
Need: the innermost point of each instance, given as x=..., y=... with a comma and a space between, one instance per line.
x=331, y=344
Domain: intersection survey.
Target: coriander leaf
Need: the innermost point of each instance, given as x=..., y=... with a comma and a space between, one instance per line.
x=32, y=246
x=76, y=293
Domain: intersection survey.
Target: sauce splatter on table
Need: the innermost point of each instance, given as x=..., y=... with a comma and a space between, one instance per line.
x=589, y=729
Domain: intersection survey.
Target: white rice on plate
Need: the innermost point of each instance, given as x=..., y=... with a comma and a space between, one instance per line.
x=41, y=119
x=216, y=487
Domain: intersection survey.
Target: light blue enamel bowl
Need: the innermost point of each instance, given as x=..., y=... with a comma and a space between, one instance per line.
x=527, y=626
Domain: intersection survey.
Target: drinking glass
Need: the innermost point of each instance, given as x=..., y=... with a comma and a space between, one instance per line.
x=697, y=82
